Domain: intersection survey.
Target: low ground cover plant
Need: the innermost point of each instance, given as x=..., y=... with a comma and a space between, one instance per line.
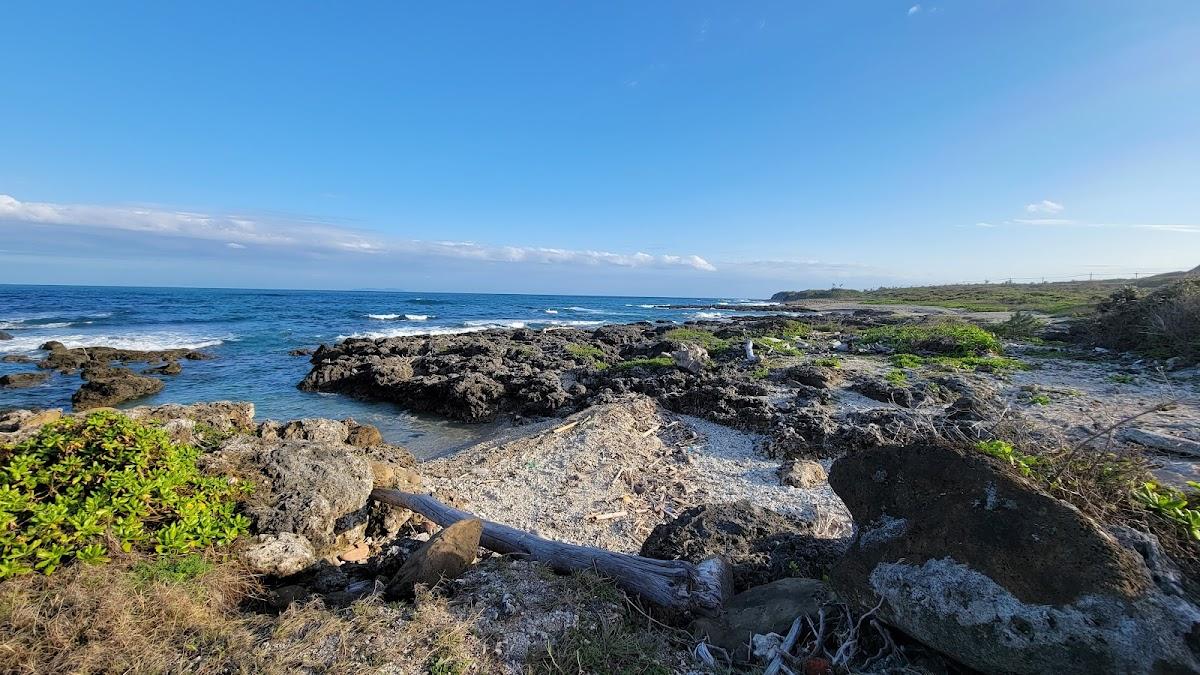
x=945, y=338
x=81, y=487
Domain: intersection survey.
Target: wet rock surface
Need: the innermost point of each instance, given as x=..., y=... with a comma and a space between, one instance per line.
x=982, y=566
x=107, y=387
x=22, y=380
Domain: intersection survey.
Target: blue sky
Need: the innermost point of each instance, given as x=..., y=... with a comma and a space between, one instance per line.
x=677, y=148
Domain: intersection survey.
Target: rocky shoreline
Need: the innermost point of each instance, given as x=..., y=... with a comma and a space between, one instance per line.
x=836, y=472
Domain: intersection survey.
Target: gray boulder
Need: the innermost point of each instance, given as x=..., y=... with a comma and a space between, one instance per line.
x=5, y=336
x=770, y=608
x=109, y=386
x=981, y=565
x=280, y=555
x=692, y=358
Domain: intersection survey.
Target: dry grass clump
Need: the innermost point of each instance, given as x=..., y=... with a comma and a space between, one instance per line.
x=139, y=615
x=1164, y=323
x=124, y=617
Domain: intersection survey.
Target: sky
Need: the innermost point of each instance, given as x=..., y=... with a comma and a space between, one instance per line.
x=687, y=148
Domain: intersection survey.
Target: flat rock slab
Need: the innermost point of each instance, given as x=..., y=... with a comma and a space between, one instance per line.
x=770, y=608
x=445, y=556
x=1163, y=442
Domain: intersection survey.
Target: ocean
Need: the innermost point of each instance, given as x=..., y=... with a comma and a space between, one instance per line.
x=251, y=332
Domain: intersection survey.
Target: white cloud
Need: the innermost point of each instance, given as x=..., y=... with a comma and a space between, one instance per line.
x=984, y=225
x=240, y=231
x=1045, y=221
x=914, y=9
x=1044, y=206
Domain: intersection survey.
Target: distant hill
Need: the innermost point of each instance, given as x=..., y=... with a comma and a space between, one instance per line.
x=1055, y=297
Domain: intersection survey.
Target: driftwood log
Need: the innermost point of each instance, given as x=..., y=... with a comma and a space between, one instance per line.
x=682, y=589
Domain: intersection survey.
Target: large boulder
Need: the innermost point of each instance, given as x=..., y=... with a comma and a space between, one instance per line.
x=316, y=490
x=5, y=336
x=979, y=564
x=109, y=386
x=22, y=380
x=761, y=545
x=445, y=556
x=692, y=358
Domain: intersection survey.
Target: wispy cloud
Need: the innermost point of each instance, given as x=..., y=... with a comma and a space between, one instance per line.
x=1045, y=221
x=237, y=231
x=914, y=9
x=1044, y=206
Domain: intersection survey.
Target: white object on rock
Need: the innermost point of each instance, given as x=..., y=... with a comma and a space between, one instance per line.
x=692, y=358
x=750, y=351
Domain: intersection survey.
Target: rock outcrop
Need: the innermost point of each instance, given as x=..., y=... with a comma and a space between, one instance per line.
x=976, y=563
x=22, y=380
x=761, y=545
x=107, y=387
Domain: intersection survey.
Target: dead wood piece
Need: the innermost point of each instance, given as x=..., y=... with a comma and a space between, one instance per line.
x=677, y=586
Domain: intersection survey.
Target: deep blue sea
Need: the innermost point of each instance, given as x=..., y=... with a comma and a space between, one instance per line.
x=251, y=331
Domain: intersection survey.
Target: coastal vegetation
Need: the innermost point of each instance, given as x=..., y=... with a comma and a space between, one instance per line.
x=1056, y=297
x=82, y=489
x=946, y=337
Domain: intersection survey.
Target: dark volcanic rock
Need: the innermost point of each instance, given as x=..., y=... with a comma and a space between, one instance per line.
x=20, y=380
x=761, y=545
x=814, y=376
x=17, y=358
x=67, y=360
x=975, y=562
x=5, y=336
x=169, y=368
x=110, y=386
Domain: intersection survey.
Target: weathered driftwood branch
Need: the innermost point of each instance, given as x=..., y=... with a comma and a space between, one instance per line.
x=677, y=586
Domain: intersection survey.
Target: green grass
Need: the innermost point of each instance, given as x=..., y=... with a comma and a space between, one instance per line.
x=82, y=486
x=593, y=356
x=760, y=373
x=1120, y=378
x=1039, y=399
x=896, y=377
x=946, y=338
x=174, y=569
x=656, y=362
x=700, y=337
x=828, y=362
x=796, y=329
x=767, y=344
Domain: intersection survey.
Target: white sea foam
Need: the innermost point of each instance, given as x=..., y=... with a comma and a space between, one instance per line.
x=384, y=317
x=708, y=315
x=417, y=317
x=586, y=310
x=412, y=330
x=495, y=323
x=551, y=311
x=141, y=342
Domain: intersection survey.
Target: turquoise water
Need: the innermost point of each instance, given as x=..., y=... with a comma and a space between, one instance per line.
x=251, y=331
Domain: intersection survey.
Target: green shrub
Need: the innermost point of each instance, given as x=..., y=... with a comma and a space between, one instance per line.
x=1171, y=504
x=1004, y=451
x=828, y=362
x=700, y=337
x=656, y=362
x=760, y=373
x=896, y=377
x=82, y=485
x=1039, y=399
x=989, y=364
x=948, y=338
x=770, y=344
x=796, y=329
x=1162, y=324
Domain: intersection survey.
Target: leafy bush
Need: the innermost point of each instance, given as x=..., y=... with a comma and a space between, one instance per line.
x=828, y=362
x=1004, y=451
x=1164, y=323
x=82, y=485
x=896, y=377
x=1171, y=504
x=949, y=338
